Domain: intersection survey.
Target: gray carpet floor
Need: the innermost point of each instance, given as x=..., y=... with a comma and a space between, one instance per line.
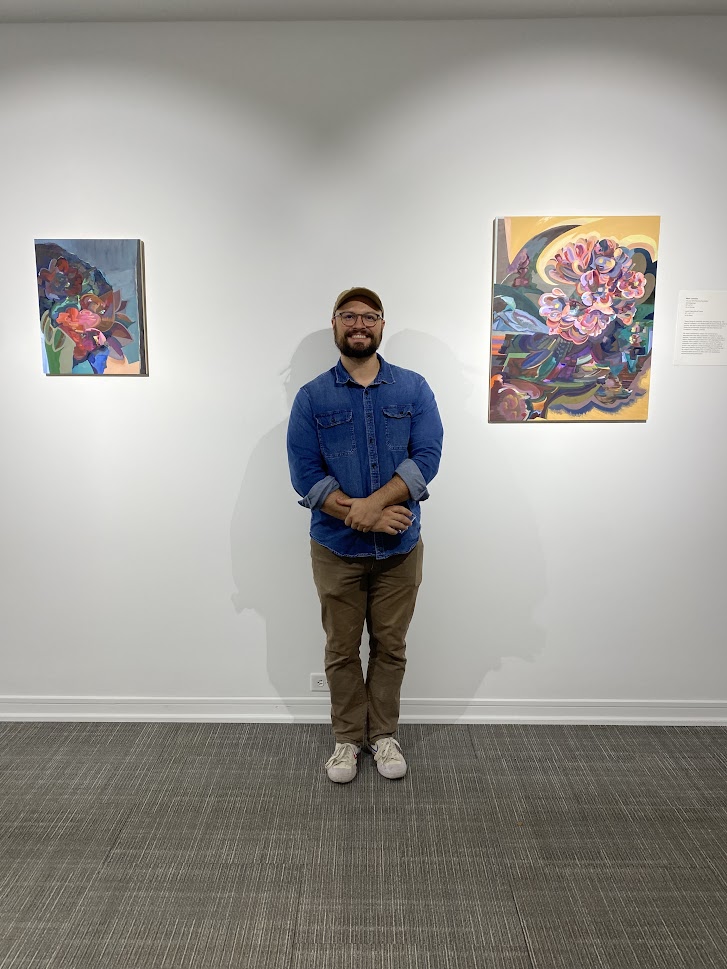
x=174, y=845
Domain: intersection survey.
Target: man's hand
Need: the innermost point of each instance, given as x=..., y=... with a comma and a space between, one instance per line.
x=363, y=513
x=394, y=520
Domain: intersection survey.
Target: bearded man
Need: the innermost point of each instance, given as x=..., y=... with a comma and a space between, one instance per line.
x=364, y=441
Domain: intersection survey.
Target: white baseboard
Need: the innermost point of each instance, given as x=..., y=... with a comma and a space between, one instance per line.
x=317, y=710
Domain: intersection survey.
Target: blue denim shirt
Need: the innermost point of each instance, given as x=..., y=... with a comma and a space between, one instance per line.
x=343, y=435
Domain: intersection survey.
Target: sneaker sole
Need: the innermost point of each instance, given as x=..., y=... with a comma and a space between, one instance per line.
x=341, y=780
x=392, y=777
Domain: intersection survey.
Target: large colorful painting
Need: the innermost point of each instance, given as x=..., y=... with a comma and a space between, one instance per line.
x=91, y=299
x=572, y=318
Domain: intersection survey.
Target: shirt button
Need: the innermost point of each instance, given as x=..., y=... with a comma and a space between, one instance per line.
x=373, y=465
x=366, y=392
x=371, y=440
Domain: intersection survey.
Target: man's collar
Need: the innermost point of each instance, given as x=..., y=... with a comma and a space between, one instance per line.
x=384, y=376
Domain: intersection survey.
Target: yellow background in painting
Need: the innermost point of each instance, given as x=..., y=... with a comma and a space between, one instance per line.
x=636, y=410
x=629, y=230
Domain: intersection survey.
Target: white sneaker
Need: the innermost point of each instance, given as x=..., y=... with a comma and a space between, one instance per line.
x=389, y=758
x=342, y=765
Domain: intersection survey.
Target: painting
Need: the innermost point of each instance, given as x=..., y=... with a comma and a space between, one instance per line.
x=572, y=318
x=91, y=302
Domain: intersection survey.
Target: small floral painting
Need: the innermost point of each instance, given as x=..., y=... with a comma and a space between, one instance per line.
x=572, y=318
x=91, y=302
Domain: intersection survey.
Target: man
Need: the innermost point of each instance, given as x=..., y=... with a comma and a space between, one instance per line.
x=364, y=440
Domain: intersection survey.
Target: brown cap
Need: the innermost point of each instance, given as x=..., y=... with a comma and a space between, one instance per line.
x=354, y=293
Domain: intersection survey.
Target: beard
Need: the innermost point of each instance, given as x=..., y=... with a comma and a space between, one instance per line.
x=358, y=351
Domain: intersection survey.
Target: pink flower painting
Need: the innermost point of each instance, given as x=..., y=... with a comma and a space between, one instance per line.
x=591, y=282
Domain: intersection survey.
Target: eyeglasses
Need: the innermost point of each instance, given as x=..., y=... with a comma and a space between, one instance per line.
x=368, y=319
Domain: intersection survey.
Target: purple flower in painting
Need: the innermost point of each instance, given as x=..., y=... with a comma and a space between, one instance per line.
x=117, y=337
x=610, y=259
x=594, y=283
x=554, y=305
x=593, y=323
x=568, y=265
x=601, y=301
x=632, y=285
x=559, y=311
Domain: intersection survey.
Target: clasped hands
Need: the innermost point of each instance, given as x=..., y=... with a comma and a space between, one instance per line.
x=368, y=515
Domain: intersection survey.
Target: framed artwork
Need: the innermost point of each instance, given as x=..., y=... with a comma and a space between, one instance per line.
x=572, y=318
x=91, y=302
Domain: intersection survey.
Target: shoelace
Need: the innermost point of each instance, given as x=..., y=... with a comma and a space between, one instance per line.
x=341, y=754
x=387, y=751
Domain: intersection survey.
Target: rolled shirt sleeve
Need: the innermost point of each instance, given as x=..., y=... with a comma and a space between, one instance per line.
x=412, y=477
x=319, y=492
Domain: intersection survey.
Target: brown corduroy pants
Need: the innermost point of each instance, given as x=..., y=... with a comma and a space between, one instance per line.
x=382, y=593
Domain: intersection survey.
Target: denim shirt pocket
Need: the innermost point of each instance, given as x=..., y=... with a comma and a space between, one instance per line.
x=397, y=419
x=335, y=433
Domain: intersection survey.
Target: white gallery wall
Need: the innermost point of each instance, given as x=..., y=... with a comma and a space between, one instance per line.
x=153, y=559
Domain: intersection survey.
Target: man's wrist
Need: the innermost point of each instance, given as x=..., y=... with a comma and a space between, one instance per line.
x=395, y=492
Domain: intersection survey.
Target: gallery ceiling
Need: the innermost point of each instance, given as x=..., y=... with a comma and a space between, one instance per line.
x=55, y=11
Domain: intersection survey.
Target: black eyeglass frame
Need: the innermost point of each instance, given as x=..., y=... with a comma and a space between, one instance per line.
x=357, y=316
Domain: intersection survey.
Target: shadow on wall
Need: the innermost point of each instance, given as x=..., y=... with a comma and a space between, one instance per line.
x=270, y=542
x=484, y=567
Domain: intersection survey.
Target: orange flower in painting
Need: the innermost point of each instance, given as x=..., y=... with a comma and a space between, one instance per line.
x=75, y=320
x=80, y=326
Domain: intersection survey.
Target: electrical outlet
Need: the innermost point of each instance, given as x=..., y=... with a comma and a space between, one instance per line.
x=318, y=683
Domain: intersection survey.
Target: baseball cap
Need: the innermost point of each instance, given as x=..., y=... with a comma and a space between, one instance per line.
x=355, y=292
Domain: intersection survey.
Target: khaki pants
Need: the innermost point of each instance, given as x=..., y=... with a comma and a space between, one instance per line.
x=381, y=592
